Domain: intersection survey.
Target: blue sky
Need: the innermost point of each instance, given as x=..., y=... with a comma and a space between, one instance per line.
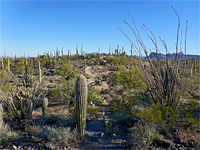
x=37, y=26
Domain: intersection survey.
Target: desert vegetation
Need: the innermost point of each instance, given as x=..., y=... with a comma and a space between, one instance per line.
x=101, y=100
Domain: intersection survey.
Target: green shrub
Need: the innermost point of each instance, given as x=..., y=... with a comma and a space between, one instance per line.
x=161, y=114
x=121, y=60
x=126, y=103
x=65, y=70
x=92, y=55
x=7, y=135
x=93, y=111
x=94, y=96
x=20, y=68
x=54, y=137
x=98, y=82
x=145, y=134
x=4, y=76
x=59, y=137
x=8, y=87
x=191, y=112
x=129, y=79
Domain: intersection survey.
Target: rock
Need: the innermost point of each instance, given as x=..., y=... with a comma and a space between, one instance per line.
x=191, y=143
x=14, y=147
x=165, y=143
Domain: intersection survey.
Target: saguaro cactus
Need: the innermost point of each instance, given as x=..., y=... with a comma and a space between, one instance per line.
x=1, y=115
x=40, y=72
x=8, y=64
x=84, y=64
x=44, y=106
x=81, y=103
x=77, y=50
x=2, y=65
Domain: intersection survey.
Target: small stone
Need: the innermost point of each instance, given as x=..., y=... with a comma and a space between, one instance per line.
x=191, y=143
x=15, y=147
x=102, y=134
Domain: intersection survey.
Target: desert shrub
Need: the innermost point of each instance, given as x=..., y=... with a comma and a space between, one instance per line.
x=62, y=95
x=129, y=79
x=68, y=88
x=19, y=68
x=31, y=70
x=53, y=120
x=144, y=135
x=127, y=103
x=160, y=113
x=4, y=77
x=7, y=135
x=59, y=137
x=94, y=96
x=65, y=70
x=55, y=95
x=8, y=87
x=121, y=60
x=54, y=137
x=194, y=84
x=34, y=130
x=93, y=111
x=98, y=82
x=92, y=55
x=190, y=113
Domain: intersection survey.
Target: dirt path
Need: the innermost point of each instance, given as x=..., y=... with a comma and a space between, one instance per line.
x=90, y=70
x=96, y=136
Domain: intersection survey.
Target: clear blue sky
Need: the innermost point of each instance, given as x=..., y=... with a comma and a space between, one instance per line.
x=37, y=26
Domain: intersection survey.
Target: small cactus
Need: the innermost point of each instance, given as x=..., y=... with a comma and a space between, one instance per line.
x=44, y=106
x=81, y=103
x=1, y=115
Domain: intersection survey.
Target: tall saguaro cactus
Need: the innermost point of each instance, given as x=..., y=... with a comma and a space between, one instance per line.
x=81, y=103
x=2, y=65
x=1, y=115
x=8, y=64
x=40, y=73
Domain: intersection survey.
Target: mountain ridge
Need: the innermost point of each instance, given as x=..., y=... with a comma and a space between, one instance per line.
x=154, y=55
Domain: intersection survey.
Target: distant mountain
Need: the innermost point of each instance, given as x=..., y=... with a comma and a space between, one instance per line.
x=153, y=55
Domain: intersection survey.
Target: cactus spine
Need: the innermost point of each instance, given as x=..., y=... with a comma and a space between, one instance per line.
x=1, y=115
x=44, y=106
x=81, y=103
